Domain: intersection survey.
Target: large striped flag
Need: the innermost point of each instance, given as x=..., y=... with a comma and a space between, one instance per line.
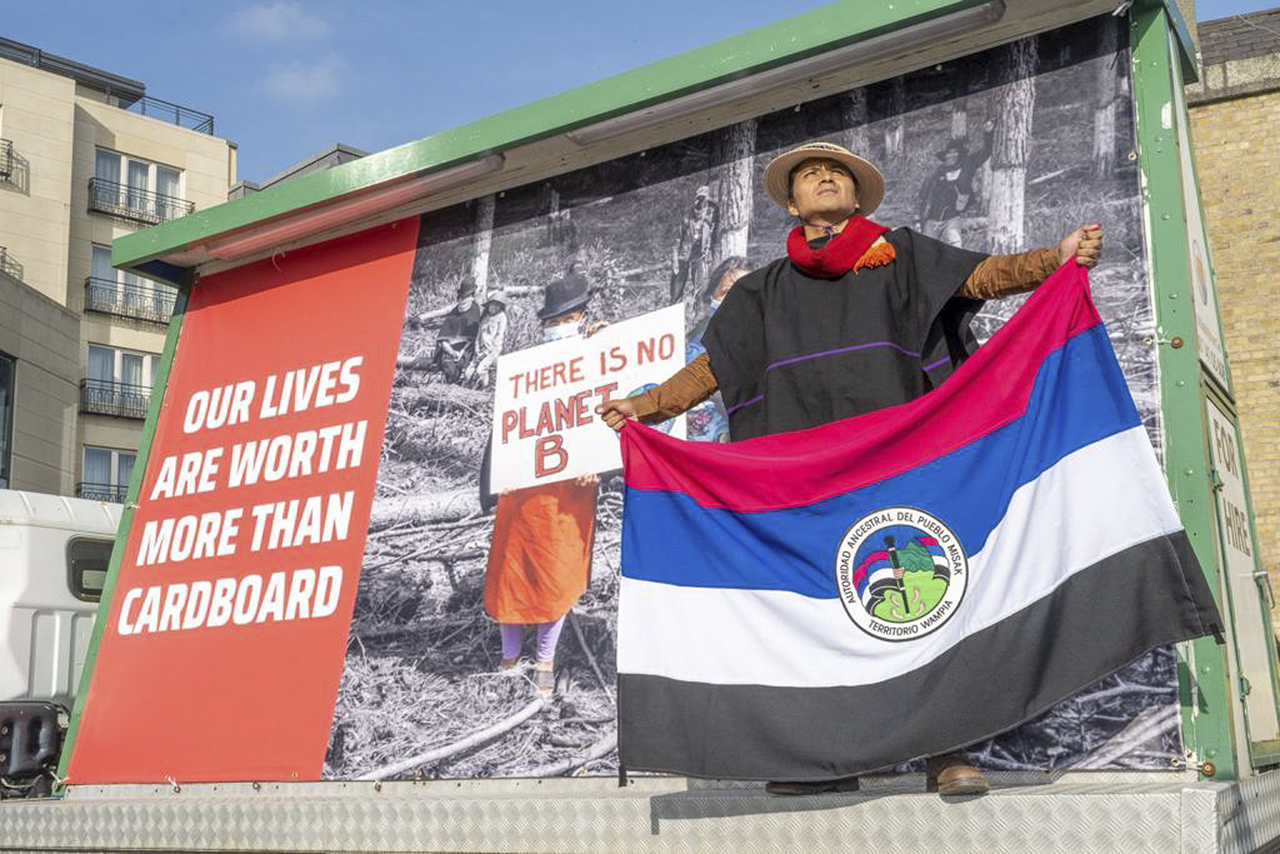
x=836, y=600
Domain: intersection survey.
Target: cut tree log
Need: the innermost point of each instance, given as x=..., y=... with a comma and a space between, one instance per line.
x=476, y=739
x=421, y=509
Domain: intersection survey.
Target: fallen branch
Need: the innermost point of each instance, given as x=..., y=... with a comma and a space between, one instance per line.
x=423, y=553
x=599, y=750
x=442, y=396
x=451, y=506
x=474, y=740
x=1152, y=722
x=586, y=648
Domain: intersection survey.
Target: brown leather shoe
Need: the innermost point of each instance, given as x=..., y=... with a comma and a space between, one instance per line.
x=951, y=774
x=812, y=787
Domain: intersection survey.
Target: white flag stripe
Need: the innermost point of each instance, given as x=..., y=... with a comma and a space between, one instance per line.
x=1092, y=504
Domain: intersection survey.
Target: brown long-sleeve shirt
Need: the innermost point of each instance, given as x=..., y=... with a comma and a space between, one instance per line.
x=995, y=276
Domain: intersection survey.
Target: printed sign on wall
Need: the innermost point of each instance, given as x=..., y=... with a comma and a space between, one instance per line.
x=223, y=646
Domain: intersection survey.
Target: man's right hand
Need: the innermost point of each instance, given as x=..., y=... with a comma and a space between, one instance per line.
x=616, y=412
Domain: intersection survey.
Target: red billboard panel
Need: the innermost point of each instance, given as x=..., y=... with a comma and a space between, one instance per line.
x=223, y=646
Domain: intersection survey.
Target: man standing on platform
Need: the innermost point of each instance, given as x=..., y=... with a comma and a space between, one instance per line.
x=856, y=318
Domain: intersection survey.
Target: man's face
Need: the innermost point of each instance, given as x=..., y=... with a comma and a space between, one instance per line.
x=573, y=318
x=823, y=189
x=465, y=303
x=951, y=157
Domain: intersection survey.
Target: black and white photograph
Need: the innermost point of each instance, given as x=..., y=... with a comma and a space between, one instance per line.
x=482, y=644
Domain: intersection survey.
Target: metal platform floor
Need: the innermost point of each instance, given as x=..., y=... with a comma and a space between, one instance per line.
x=1072, y=813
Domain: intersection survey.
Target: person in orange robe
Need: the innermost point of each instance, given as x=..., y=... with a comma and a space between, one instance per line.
x=540, y=554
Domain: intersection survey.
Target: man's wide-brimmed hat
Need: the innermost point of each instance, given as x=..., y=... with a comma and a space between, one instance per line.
x=497, y=295
x=466, y=289
x=777, y=175
x=568, y=294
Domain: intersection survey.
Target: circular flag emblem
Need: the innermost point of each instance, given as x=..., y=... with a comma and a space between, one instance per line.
x=901, y=573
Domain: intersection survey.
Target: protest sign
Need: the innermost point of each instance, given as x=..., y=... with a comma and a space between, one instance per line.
x=544, y=424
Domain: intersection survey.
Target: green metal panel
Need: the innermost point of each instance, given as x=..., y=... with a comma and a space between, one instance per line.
x=818, y=31
x=1207, y=715
x=1261, y=752
x=126, y=518
x=1188, y=60
x=1180, y=104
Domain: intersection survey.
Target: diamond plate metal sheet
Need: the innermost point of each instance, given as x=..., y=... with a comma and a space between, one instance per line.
x=1072, y=814
x=1249, y=814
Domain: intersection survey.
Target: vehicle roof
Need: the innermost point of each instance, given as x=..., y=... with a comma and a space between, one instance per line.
x=39, y=510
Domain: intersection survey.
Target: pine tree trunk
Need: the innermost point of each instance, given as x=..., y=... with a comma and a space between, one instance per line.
x=484, y=238
x=1104, y=116
x=857, y=135
x=1016, y=67
x=736, y=154
x=895, y=127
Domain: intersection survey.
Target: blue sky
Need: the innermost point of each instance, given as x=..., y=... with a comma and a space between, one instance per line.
x=288, y=78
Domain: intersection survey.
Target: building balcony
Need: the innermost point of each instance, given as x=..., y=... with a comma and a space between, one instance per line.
x=141, y=302
x=122, y=400
x=6, y=158
x=120, y=200
x=102, y=491
x=176, y=114
x=9, y=266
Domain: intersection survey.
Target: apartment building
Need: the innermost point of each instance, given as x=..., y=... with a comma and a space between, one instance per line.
x=85, y=157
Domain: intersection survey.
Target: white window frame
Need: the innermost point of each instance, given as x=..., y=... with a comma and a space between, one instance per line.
x=126, y=277
x=152, y=182
x=149, y=361
x=115, y=463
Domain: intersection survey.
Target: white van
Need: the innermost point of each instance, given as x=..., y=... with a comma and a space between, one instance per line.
x=54, y=553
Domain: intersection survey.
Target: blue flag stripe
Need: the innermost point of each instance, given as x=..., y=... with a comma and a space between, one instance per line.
x=793, y=549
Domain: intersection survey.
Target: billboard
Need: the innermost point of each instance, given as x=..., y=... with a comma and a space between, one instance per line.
x=480, y=639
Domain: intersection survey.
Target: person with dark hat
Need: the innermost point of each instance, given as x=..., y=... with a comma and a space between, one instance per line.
x=540, y=552
x=456, y=340
x=856, y=317
x=490, y=338
x=947, y=194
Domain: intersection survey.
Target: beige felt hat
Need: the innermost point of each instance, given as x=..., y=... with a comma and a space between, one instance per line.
x=777, y=175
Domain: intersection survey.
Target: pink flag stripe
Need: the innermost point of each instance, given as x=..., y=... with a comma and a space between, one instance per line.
x=808, y=466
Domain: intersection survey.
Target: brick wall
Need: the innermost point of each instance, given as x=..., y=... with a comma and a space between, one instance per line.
x=1235, y=126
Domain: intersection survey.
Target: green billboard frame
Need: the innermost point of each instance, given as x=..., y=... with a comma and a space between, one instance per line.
x=1207, y=723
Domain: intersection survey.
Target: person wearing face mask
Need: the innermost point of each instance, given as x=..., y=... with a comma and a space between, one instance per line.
x=707, y=422
x=540, y=554
x=857, y=317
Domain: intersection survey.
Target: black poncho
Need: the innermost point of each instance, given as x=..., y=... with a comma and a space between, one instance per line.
x=790, y=351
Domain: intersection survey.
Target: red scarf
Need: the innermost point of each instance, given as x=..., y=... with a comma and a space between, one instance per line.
x=839, y=255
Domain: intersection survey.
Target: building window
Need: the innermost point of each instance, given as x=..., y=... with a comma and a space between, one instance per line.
x=125, y=294
x=106, y=474
x=118, y=382
x=7, y=380
x=136, y=189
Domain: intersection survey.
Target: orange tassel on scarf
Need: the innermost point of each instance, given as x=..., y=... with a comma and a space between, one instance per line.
x=877, y=256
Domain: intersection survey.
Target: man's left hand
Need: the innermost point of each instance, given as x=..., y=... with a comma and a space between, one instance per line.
x=1084, y=244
